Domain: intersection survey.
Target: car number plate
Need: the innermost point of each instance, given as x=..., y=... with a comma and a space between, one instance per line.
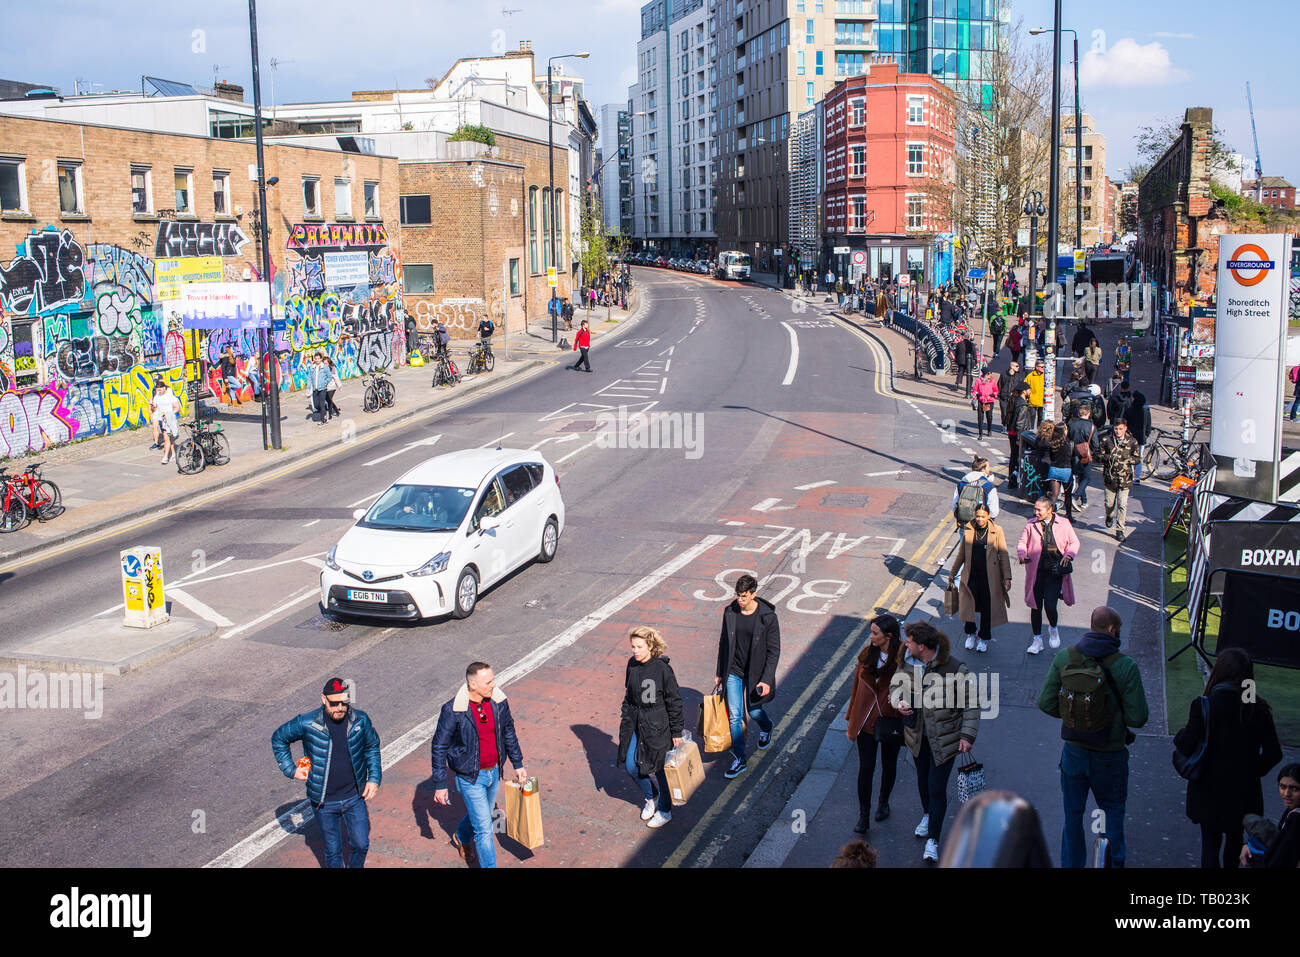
x=375, y=596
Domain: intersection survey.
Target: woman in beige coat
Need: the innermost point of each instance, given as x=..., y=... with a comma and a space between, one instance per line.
x=986, y=584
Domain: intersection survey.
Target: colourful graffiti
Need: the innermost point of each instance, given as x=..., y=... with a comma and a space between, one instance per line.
x=34, y=420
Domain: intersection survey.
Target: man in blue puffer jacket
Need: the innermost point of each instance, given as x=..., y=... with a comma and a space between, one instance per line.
x=338, y=785
x=476, y=733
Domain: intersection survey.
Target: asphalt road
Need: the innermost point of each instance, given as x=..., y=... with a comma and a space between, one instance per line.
x=802, y=469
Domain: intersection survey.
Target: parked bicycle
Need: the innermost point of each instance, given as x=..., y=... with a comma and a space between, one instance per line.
x=1168, y=453
x=28, y=496
x=481, y=358
x=207, y=445
x=380, y=392
x=445, y=371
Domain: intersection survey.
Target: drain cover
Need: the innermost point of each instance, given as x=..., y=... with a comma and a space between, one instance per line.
x=321, y=623
x=845, y=500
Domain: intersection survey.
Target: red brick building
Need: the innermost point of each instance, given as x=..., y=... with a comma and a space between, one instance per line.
x=1275, y=192
x=888, y=142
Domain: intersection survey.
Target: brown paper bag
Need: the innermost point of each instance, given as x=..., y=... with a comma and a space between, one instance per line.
x=684, y=771
x=951, y=600
x=715, y=724
x=523, y=816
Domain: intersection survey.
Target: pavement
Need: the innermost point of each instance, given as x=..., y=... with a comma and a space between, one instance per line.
x=108, y=481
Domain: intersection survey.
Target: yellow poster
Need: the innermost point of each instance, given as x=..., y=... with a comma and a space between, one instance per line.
x=170, y=274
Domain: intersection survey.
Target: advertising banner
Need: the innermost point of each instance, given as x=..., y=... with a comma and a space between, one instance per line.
x=224, y=305
x=347, y=269
x=1249, y=331
x=1261, y=616
x=169, y=274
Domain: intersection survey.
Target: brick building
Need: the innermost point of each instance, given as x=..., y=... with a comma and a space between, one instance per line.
x=888, y=141
x=93, y=219
x=1095, y=193
x=1274, y=192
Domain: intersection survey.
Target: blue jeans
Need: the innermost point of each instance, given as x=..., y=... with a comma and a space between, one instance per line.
x=1105, y=773
x=1295, y=405
x=1081, y=474
x=254, y=379
x=649, y=785
x=480, y=794
x=353, y=813
x=736, y=709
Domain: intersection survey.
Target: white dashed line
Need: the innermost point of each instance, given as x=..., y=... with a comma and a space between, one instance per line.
x=813, y=485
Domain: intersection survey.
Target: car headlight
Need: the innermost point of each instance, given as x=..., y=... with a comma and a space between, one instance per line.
x=434, y=565
x=329, y=559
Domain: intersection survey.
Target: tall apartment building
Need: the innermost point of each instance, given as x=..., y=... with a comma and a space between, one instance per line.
x=777, y=58
x=672, y=107
x=614, y=165
x=1095, y=195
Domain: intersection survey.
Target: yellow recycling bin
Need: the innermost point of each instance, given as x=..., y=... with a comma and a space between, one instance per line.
x=142, y=587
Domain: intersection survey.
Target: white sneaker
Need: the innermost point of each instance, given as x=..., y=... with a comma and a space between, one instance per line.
x=166, y=458
x=923, y=829
x=660, y=819
x=970, y=642
x=648, y=811
x=931, y=851
x=1053, y=637
x=1035, y=646
x=982, y=645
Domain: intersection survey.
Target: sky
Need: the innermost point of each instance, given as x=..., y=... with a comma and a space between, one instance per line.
x=1141, y=60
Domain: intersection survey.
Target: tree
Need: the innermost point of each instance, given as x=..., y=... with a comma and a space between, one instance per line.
x=594, y=245
x=476, y=134
x=1153, y=139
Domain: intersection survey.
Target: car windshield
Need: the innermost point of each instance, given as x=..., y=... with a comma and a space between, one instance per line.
x=742, y=260
x=420, y=508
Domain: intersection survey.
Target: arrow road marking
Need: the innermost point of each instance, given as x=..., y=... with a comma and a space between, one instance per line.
x=432, y=440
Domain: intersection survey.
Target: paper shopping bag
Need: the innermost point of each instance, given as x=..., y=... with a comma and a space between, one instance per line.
x=715, y=724
x=523, y=816
x=684, y=771
x=951, y=600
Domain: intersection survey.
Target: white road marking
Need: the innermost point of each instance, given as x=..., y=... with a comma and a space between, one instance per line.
x=316, y=562
x=813, y=485
x=244, y=571
x=312, y=592
x=314, y=521
x=663, y=386
x=202, y=571
x=968, y=451
x=735, y=523
x=794, y=354
x=431, y=440
x=199, y=608
x=878, y=474
x=580, y=448
x=368, y=498
x=557, y=439
x=108, y=611
x=495, y=442
x=667, y=364
x=769, y=505
x=273, y=832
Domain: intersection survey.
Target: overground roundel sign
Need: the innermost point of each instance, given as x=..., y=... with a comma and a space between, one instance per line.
x=1260, y=266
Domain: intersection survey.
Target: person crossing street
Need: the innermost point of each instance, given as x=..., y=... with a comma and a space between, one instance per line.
x=748, y=650
x=581, y=344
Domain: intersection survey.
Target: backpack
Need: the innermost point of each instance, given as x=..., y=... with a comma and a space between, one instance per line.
x=1294, y=374
x=1087, y=698
x=970, y=496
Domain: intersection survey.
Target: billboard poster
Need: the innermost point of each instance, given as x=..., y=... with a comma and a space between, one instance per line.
x=224, y=305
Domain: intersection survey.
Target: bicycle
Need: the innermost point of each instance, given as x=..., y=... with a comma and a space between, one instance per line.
x=27, y=496
x=1167, y=453
x=380, y=392
x=205, y=446
x=481, y=358
x=444, y=370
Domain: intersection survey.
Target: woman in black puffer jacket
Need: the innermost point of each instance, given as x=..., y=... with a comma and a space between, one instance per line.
x=651, y=722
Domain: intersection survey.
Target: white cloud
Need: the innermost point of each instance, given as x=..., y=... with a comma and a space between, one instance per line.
x=1129, y=63
x=1174, y=36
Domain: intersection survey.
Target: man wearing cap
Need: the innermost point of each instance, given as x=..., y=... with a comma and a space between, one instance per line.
x=476, y=733
x=343, y=748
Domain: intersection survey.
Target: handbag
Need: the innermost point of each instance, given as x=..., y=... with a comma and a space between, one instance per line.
x=1191, y=767
x=889, y=730
x=970, y=778
x=1084, y=449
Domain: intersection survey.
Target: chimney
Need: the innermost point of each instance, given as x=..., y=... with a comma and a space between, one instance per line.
x=525, y=46
x=228, y=91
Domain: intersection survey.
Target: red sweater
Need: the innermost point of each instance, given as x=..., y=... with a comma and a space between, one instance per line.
x=582, y=340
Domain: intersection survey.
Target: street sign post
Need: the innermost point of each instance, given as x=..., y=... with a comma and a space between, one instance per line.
x=142, y=587
x=552, y=279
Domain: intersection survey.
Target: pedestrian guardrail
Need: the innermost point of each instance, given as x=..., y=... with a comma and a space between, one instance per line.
x=922, y=335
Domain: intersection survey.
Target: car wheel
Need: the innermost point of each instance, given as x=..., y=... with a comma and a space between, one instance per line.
x=466, y=594
x=550, y=541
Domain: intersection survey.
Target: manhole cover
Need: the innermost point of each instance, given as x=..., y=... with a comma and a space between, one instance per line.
x=912, y=505
x=321, y=623
x=845, y=500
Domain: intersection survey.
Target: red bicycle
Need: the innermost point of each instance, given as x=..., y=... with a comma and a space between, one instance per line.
x=28, y=496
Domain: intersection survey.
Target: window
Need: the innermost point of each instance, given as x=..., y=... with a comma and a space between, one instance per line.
x=859, y=221
x=1087, y=212
x=13, y=185
x=311, y=196
x=547, y=225
x=370, y=192
x=141, y=189
x=915, y=159
x=914, y=212
x=852, y=32
x=820, y=70
x=799, y=6
x=811, y=101
x=859, y=167
x=798, y=63
x=415, y=210
x=857, y=112
x=532, y=230
x=810, y=30
x=343, y=199
x=70, y=188
x=514, y=277
x=850, y=64
x=1087, y=153
x=851, y=6
x=916, y=111
x=221, y=192
x=418, y=277
x=821, y=6
x=184, y=183
x=1087, y=172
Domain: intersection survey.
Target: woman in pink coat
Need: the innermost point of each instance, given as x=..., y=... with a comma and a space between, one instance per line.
x=986, y=393
x=1047, y=547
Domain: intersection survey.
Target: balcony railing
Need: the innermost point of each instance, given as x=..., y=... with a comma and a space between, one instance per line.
x=740, y=62
x=853, y=40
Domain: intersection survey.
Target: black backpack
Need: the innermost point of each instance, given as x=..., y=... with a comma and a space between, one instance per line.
x=970, y=496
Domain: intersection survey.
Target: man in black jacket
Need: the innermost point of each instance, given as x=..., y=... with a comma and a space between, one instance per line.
x=476, y=732
x=1020, y=430
x=748, y=650
x=1008, y=386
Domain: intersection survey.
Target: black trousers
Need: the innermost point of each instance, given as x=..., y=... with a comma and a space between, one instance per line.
x=997, y=342
x=583, y=361
x=984, y=418
x=932, y=784
x=868, y=746
x=1211, y=841
x=1047, y=591
x=983, y=607
x=320, y=403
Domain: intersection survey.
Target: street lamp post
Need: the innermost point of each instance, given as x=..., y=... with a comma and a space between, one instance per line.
x=1078, y=142
x=271, y=387
x=1053, y=215
x=1033, y=209
x=550, y=161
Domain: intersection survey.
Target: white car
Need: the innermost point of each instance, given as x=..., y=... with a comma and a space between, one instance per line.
x=444, y=531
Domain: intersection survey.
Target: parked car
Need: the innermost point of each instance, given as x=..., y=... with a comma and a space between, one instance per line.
x=445, y=531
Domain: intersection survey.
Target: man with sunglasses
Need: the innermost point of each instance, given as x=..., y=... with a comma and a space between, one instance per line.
x=476, y=733
x=343, y=748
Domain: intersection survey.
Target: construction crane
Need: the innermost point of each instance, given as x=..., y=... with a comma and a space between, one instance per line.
x=1259, y=167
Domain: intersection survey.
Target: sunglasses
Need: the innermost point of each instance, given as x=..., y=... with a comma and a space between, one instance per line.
x=481, y=711
x=338, y=704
